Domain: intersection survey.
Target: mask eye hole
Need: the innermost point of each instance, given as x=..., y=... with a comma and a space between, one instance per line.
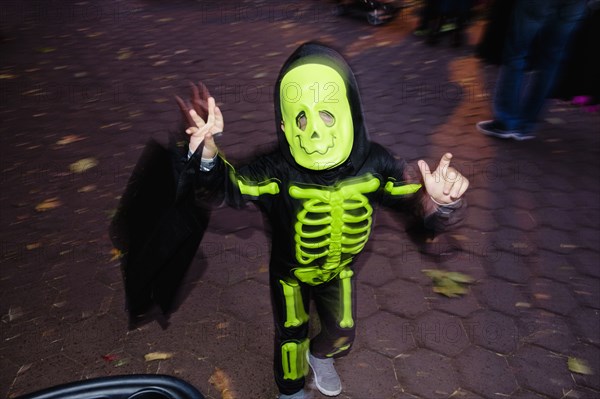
x=301, y=121
x=327, y=118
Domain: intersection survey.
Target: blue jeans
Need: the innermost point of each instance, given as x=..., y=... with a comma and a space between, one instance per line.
x=537, y=38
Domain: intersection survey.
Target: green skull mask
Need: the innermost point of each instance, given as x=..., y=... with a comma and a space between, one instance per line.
x=317, y=120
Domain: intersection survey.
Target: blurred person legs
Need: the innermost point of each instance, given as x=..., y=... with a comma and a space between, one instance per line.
x=536, y=42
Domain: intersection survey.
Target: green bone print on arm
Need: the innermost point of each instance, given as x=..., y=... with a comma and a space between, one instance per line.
x=252, y=189
x=332, y=222
x=401, y=190
x=256, y=190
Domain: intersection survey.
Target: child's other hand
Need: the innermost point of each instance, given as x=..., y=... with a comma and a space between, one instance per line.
x=445, y=184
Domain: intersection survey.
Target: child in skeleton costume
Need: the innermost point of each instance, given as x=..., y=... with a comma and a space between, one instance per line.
x=318, y=192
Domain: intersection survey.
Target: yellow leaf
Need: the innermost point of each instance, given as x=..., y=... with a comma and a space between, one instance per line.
x=83, y=164
x=48, y=204
x=7, y=76
x=149, y=357
x=116, y=254
x=459, y=277
x=450, y=284
x=579, y=366
x=33, y=246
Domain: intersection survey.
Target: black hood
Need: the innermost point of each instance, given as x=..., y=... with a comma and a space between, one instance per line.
x=320, y=54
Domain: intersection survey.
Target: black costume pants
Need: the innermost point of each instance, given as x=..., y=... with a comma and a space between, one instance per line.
x=335, y=306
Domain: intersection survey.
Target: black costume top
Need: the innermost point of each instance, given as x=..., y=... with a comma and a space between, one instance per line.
x=321, y=219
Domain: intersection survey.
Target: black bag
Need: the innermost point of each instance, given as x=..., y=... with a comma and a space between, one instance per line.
x=157, y=228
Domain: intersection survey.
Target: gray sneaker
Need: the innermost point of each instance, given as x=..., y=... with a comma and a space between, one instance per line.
x=326, y=378
x=302, y=394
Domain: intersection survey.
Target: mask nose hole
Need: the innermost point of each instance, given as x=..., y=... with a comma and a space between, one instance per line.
x=315, y=135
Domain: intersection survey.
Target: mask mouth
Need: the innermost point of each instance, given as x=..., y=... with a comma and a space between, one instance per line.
x=308, y=152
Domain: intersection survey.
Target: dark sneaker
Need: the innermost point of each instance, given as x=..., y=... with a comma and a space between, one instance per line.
x=327, y=379
x=496, y=129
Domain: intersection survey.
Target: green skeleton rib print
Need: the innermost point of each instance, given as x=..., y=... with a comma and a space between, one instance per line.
x=333, y=225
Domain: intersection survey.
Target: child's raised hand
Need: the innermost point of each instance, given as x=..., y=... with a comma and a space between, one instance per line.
x=445, y=184
x=203, y=118
x=204, y=131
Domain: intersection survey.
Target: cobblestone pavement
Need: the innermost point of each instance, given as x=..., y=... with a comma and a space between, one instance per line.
x=93, y=81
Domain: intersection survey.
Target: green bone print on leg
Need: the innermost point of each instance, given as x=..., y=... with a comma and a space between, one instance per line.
x=333, y=222
x=346, y=299
x=293, y=359
x=295, y=314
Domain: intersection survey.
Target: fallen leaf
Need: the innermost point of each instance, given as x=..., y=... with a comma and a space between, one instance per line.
x=449, y=288
x=579, y=366
x=450, y=284
x=48, y=204
x=15, y=313
x=459, y=277
x=33, y=246
x=7, y=76
x=222, y=382
x=71, y=138
x=46, y=49
x=116, y=254
x=568, y=246
x=87, y=189
x=83, y=164
x=460, y=237
x=124, y=54
x=522, y=305
x=24, y=368
x=121, y=362
x=149, y=357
